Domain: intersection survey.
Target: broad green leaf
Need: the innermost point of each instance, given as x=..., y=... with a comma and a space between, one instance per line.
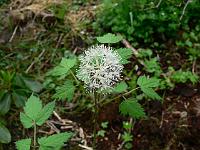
x=33, y=85
x=5, y=103
x=120, y=87
x=45, y=113
x=109, y=38
x=54, y=141
x=63, y=68
x=18, y=99
x=26, y=121
x=65, y=91
x=24, y=144
x=125, y=54
x=5, y=136
x=33, y=107
x=132, y=108
x=143, y=81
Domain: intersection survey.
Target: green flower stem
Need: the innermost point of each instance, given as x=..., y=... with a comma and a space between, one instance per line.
x=96, y=111
x=34, y=136
x=121, y=95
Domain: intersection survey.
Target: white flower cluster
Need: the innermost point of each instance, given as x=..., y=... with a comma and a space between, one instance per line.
x=99, y=68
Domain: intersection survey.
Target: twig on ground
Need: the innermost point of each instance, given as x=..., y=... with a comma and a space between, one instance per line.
x=13, y=35
x=31, y=65
x=58, y=117
x=128, y=45
x=85, y=147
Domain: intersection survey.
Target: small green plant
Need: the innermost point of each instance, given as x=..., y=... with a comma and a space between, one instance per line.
x=126, y=136
x=184, y=76
x=14, y=89
x=100, y=69
x=104, y=126
x=35, y=115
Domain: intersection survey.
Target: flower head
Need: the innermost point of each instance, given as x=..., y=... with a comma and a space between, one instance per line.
x=99, y=68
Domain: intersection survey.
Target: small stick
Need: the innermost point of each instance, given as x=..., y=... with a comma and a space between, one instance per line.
x=85, y=147
x=13, y=35
x=28, y=69
x=128, y=45
x=188, y=1
x=58, y=117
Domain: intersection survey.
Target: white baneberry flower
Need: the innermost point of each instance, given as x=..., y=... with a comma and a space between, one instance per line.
x=99, y=68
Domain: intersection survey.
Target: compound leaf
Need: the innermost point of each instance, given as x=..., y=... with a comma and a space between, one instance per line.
x=26, y=121
x=146, y=85
x=63, y=68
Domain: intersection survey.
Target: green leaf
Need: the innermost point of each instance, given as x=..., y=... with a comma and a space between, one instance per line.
x=132, y=108
x=54, y=141
x=109, y=38
x=26, y=121
x=5, y=136
x=5, y=103
x=33, y=85
x=125, y=54
x=120, y=87
x=127, y=137
x=146, y=85
x=33, y=107
x=24, y=144
x=18, y=99
x=151, y=93
x=63, y=68
x=143, y=81
x=65, y=91
x=45, y=113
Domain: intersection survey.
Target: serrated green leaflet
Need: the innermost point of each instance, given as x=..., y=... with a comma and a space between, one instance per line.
x=54, y=141
x=151, y=93
x=24, y=144
x=65, y=91
x=45, y=113
x=26, y=121
x=109, y=38
x=132, y=108
x=143, y=81
x=120, y=87
x=125, y=54
x=34, y=113
x=33, y=107
x=63, y=68
x=146, y=85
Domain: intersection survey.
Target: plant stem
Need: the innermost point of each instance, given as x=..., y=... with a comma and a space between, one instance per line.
x=34, y=136
x=74, y=77
x=96, y=109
